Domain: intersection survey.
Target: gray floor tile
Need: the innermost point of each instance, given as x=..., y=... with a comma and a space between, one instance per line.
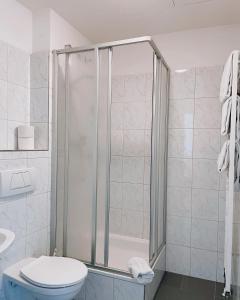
x=179, y=287
x=174, y=280
x=199, y=286
x=171, y=293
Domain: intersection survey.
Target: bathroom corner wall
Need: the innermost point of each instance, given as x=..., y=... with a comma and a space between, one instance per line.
x=27, y=215
x=196, y=197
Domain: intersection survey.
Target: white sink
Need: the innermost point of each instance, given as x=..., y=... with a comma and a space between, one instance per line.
x=6, y=239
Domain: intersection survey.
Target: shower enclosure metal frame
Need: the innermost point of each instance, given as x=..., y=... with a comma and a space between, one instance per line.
x=154, y=250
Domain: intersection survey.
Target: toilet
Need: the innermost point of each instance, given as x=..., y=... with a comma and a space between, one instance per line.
x=44, y=278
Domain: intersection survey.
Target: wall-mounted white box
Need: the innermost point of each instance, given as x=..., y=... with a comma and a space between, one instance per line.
x=15, y=182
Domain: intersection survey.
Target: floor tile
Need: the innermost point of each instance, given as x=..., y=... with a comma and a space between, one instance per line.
x=172, y=280
x=180, y=287
x=199, y=286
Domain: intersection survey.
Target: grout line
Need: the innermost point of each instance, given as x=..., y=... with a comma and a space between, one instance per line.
x=190, y=247
x=193, y=158
x=193, y=128
x=195, y=218
x=194, y=188
x=197, y=98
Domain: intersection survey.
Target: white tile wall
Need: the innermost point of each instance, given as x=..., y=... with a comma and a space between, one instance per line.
x=205, y=204
x=15, y=106
x=100, y=287
x=3, y=100
x=3, y=60
x=14, y=93
x=124, y=290
x=181, y=113
x=179, y=202
x=180, y=143
x=205, y=174
x=27, y=215
x=179, y=172
x=176, y=265
x=179, y=230
x=204, y=234
x=207, y=113
x=207, y=81
x=183, y=85
x=206, y=143
x=195, y=203
x=203, y=264
x=39, y=95
x=18, y=67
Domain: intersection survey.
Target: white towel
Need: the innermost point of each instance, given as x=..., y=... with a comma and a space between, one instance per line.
x=237, y=168
x=226, y=113
x=223, y=162
x=223, y=158
x=140, y=270
x=226, y=117
x=226, y=82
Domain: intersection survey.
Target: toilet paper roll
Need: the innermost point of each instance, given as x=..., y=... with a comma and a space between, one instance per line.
x=25, y=131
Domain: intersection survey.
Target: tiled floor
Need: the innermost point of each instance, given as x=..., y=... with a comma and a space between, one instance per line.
x=178, y=287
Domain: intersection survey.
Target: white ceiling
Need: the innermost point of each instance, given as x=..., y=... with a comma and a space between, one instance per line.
x=103, y=20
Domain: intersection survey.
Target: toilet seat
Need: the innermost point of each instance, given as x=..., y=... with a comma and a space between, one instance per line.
x=54, y=272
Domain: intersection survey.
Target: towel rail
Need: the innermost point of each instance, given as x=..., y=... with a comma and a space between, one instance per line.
x=231, y=179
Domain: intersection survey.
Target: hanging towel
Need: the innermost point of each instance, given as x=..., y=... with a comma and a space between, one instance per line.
x=226, y=113
x=140, y=270
x=223, y=158
x=226, y=82
x=237, y=168
x=223, y=162
x=226, y=117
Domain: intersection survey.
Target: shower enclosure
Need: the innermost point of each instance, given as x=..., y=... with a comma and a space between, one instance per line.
x=110, y=152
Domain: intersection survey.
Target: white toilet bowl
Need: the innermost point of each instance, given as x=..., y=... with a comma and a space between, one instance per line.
x=46, y=278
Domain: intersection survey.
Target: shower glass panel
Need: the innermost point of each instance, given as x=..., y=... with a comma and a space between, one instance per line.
x=111, y=141
x=80, y=169
x=131, y=115
x=59, y=145
x=162, y=152
x=103, y=166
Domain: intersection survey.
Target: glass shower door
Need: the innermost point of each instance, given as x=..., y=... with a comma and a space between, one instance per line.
x=131, y=114
x=80, y=179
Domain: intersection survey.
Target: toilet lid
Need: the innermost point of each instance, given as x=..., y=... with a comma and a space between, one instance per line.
x=54, y=272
